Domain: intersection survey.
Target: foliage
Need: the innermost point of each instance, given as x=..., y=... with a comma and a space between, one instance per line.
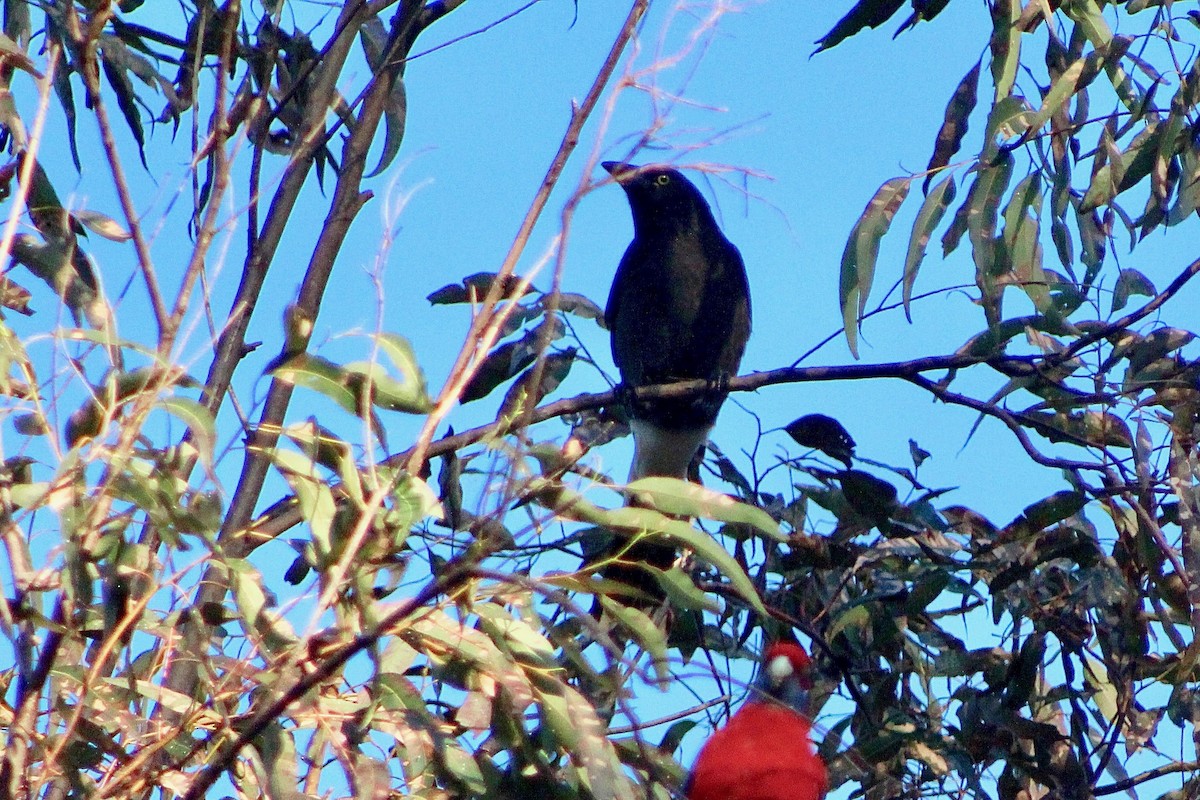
x=459, y=653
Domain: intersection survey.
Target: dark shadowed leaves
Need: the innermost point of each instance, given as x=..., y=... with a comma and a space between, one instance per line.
x=873, y=498
x=822, y=433
x=536, y=383
x=374, y=38
x=1093, y=428
x=475, y=288
x=1130, y=282
x=504, y=362
x=865, y=14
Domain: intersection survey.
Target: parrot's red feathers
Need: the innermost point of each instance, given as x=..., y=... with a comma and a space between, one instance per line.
x=795, y=654
x=763, y=753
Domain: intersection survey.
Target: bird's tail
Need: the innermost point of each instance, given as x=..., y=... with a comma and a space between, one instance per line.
x=663, y=451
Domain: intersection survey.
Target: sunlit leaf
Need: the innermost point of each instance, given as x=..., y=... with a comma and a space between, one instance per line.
x=682, y=498
x=198, y=420
x=102, y=224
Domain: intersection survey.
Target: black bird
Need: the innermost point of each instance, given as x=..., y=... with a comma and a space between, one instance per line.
x=679, y=310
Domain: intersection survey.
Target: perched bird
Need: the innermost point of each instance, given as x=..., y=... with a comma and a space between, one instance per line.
x=679, y=309
x=763, y=753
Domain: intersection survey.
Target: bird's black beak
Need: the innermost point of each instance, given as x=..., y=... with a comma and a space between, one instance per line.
x=620, y=171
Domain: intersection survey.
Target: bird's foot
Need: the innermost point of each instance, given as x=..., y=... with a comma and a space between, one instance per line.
x=719, y=385
x=625, y=394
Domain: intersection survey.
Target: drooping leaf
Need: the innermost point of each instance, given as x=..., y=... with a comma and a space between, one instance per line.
x=954, y=127
x=862, y=251
x=580, y=306
x=1130, y=282
x=1093, y=428
x=524, y=394
x=122, y=87
x=102, y=224
x=1090, y=22
x=637, y=521
x=928, y=218
x=1134, y=164
x=983, y=203
x=1050, y=511
x=1005, y=45
x=409, y=393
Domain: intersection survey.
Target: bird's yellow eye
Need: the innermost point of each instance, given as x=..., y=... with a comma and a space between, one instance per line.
x=663, y=180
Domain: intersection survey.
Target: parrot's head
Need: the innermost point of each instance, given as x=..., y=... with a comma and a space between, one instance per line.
x=786, y=676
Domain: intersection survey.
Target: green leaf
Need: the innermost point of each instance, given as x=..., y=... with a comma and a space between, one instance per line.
x=1022, y=239
x=1118, y=175
x=682, y=591
x=412, y=501
x=645, y=521
x=259, y=619
x=1088, y=15
x=1005, y=45
x=1008, y=119
x=1104, y=694
x=682, y=498
x=313, y=494
x=928, y=218
x=858, y=616
x=1130, y=282
x=198, y=420
x=515, y=637
x=319, y=374
x=1075, y=77
x=577, y=730
x=410, y=393
x=862, y=251
x=954, y=126
x=983, y=204
x=651, y=637
x=681, y=533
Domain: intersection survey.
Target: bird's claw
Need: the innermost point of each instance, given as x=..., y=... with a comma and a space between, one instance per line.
x=719, y=385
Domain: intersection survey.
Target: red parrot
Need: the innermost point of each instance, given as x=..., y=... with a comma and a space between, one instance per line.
x=763, y=753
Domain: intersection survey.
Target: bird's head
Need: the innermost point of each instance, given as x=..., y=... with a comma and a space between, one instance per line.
x=786, y=676
x=659, y=196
